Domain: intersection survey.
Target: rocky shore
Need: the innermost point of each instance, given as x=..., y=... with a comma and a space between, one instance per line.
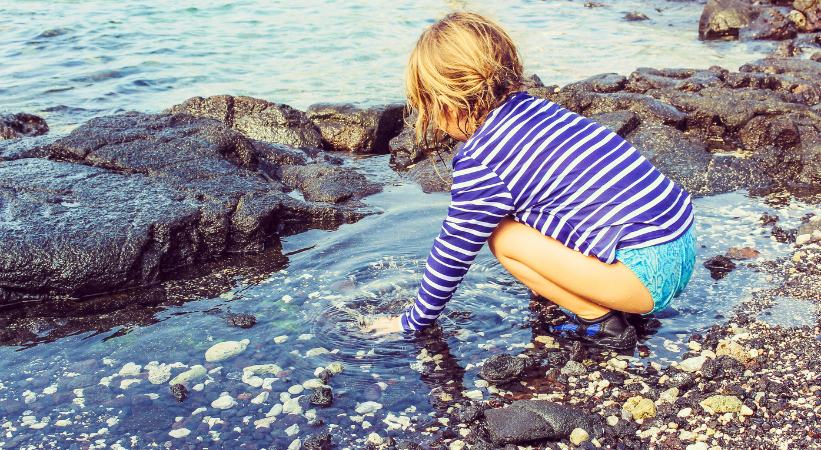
x=123, y=209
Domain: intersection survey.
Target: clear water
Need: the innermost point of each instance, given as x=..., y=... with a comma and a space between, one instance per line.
x=73, y=60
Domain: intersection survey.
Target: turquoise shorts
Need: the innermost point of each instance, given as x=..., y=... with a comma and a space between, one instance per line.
x=664, y=269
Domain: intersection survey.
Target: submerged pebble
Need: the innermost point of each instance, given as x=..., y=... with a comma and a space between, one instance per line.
x=225, y=350
x=225, y=401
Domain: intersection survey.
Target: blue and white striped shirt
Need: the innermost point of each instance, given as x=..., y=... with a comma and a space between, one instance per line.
x=558, y=172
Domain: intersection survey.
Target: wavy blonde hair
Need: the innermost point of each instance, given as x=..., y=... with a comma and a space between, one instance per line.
x=464, y=63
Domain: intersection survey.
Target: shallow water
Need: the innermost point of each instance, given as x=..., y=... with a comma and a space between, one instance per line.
x=100, y=57
x=71, y=60
x=330, y=279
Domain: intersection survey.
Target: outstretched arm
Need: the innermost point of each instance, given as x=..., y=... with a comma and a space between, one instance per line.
x=479, y=201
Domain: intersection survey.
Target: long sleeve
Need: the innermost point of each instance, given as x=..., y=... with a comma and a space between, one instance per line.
x=479, y=201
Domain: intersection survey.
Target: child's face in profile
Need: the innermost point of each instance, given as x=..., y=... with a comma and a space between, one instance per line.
x=449, y=123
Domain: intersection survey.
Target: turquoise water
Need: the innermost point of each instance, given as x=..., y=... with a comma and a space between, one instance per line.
x=73, y=60
x=69, y=60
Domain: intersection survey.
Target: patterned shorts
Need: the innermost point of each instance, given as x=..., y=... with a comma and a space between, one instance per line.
x=664, y=269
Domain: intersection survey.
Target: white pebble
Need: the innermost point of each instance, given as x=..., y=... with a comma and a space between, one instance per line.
x=179, y=433
x=225, y=350
x=225, y=401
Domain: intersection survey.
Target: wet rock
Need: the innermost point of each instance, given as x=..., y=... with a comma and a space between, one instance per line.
x=573, y=368
x=327, y=183
x=179, y=392
x=349, y=128
x=811, y=10
x=719, y=266
x=529, y=420
x=322, y=396
x=635, y=16
x=769, y=24
x=225, y=350
x=408, y=445
x=724, y=19
x=137, y=197
x=742, y=253
x=640, y=407
x=257, y=119
x=693, y=364
x=620, y=122
x=19, y=125
x=224, y=401
x=733, y=349
x=433, y=174
x=502, y=368
x=405, y=151
x=579, y=435
x=192, y=374
x=241, y=320
x=318, y=441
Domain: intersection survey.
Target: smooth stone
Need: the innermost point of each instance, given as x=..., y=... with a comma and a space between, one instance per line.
x=194, y=373
x=130, y=370
x=524, y=421
x=720, y=404
x=335, y=367
x=179, y=433
x=159, y=374
x=367, y=407
x=225, y=350
x=225, y=401
x=693, y=364
x=579, y=435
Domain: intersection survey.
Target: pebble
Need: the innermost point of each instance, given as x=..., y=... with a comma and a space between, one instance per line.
x=128, y=382
x=179, y=433
x=225, y=350
x=720, y=404
x=579, y=435
x=260, y=398
x=575, y=368
x=280, y=339
x=275, y=410
x=296, y=444
x=693, y=364
x=457, y=445
x=732, y=349
x=312, y=383
x=367, y=407
x=130, y=370
x=335, y=367
x=612, y=420
x=617, y=363
x=316, y=352
x=640, y=407
x=684, y=412
x=225, y=401
x=669, y=396
x=159, y=374
x=291, y=406
x=179, y=392
x=194, y=373
x=296, y=389
x=375, y=439
x=292, y=430
x=265, y=422
x=697, y=446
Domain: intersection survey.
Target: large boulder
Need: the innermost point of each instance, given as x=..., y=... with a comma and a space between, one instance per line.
x=21, y=125
x=526, y=421
x=405, y=151
x=345, y=127
x=129, y=200
x=722, y=19
x=257, y=119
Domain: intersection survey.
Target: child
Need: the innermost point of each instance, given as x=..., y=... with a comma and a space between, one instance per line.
x=568, y=207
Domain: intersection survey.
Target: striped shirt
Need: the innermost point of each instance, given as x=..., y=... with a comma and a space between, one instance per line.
x=558, y=172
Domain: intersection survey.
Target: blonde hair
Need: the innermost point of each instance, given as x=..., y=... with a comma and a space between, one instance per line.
x=465, y=63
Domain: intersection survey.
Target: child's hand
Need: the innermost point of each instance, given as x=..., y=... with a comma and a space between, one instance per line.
x=383, y=325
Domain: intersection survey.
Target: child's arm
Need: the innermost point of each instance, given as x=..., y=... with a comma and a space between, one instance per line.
x=479, y=201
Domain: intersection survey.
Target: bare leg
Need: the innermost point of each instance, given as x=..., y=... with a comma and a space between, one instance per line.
x=579, y=283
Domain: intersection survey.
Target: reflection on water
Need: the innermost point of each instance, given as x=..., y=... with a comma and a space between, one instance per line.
x=307, y=317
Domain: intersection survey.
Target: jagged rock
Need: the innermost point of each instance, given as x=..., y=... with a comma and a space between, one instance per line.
x=683, y=159
x=635, y=16
x=621, y=122
x=811, y=10
x=179, y=392
x=318, y=441
x=327, y=183
x=435, y=173
x=529, y=420
x=241, y=320
x=256, y=118
x=405, y=152
x=322, y=396
x=21, y=125
x=719, y=266
x=349, y=128
x=502, y=368
x=769, y=24
x=135, y=197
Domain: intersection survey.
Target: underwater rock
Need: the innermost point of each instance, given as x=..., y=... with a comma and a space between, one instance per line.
x=318, y=441
x=179, y=392
x=224, y=401
x=241, y=320
x=742, y=253
x=327, y=183
x=256, y=118
x=529, y=420
x=345, y=127
x=322, y=396
x=719, y=266
x=225, y=350
x=192, y=374
x=635, y=16
x=128, y=200
x=502, y=368
x=20, y=125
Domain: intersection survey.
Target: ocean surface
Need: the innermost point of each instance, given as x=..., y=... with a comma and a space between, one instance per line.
x=75, y=382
